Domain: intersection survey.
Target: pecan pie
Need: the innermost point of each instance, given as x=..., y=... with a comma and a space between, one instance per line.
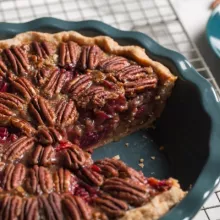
x=62, y=95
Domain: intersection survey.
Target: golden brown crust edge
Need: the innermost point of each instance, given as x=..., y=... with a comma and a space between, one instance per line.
x=106, y=43
x=158, y=206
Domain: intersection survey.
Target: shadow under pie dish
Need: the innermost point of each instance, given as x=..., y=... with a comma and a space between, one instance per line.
x=63, y=95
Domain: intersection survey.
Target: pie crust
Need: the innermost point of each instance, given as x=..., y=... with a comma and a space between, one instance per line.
x=46, y=123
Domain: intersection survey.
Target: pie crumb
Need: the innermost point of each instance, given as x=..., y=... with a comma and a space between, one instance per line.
x=157, y=97
x=126, y=144
x=116, y=157
x=141, y=160
x=141, y=165
x=153, y=158
x=161, y=148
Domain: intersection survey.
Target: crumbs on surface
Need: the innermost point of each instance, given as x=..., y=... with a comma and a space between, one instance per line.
x=153, y=157
x=126, y=144
x=157, y=97
x=116, y=157
x=141, y=160
x=161, y=148
x=141, y=165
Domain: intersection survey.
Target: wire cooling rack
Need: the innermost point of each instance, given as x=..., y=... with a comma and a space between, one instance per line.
x=156, y=18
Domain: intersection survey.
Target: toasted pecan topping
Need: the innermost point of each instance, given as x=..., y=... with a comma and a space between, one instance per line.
x=79, y=85
x=136, y=79
x=41, y=110
x=112, y=168
x=113, y=64
x=49, y=135
x=111, y=206
x=66, y=113
x=51, y=206
x=10, y=207
x=55, y=83
x=39, y=180
x=62, y=180
x=29, y=209
x=13, y=176
x=90, y=176
x=74, y=207
x=90, y=57
x=25, y=87
x=69, y=53
x=3, y=69
x=18, y=148
x=24, y=126
x=17, y=59
x=43, y=49
x=128, y=190
x=43, y=156
x=75, y=157
x=11, y=100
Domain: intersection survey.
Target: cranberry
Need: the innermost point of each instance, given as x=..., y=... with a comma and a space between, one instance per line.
x=96, y=168
x=3, y=133
x=160, y=185
x=89, y=139
x=86, y=192
x=101, y=116
x=63, y=146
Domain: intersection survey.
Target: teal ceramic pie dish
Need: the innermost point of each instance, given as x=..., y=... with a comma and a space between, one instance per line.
x=213, y=31
x=189, y=128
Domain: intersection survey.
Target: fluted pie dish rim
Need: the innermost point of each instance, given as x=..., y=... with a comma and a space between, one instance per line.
x=185, y=70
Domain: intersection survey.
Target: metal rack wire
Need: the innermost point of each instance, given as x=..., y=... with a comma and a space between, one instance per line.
x=156, y=18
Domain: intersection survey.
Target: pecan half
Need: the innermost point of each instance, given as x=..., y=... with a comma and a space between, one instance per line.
x=5, y=114
x=90, y=57
x=43, y=49
x=29, y=209
x=10, y=207
x=90, y=176
x=39, y=180
x=62, y=180
x=3, y=68
x=25, y=87
x=43, y=156
x=17, y=59
x=41, y=111
x=49, y=135
x=111, y=206
x=112, y=168
x=24, y=126
x=79, y=85
x=75, y=157
x=131, y=88
x=76, y=208
x=66, y=113
x=69, y=53
x=5, y=111
x=11, y=100
x=51, y=206
x=113, y=64
x=55, y=83
x=16, y=149
x=128, y=190
x=13, y=176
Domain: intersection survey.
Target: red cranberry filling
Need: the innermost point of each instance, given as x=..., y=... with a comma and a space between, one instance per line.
x=86, y=191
